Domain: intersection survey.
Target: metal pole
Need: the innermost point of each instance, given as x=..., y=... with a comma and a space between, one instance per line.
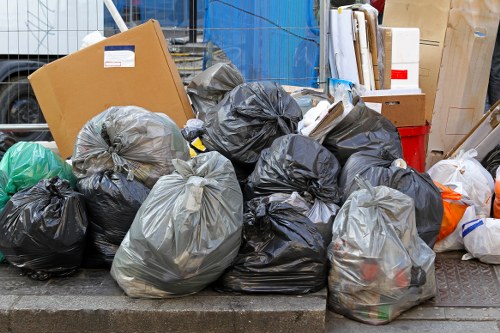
x=116, y=15
x=323, y=41
x=23, y=127
x=193, y=5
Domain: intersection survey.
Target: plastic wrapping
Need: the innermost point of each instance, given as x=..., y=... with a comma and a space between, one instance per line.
x=210, y=86
x=454, y=209
x=248, y=120
x=381, y=168
x=26, y=163
x=465, y=169
x=309, y=98
x=129, y=139
x=492, y=161
x=186, y=233
x=481, y=240
x=379, y=265
x=320, y=213
x=454, y=241
x=6, y=141
x=295, y=163
x=43, y=229
x=112, y=202
x=363, y=129
x=282, y=252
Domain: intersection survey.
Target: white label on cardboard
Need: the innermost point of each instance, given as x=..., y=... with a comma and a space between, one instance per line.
x=119, y=56
x=374, y=106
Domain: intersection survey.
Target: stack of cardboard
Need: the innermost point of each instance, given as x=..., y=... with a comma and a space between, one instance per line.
x=456, y=45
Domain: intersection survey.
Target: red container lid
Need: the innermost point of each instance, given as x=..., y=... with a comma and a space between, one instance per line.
x=414, y=131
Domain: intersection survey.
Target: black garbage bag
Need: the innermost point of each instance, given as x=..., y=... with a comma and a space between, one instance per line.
x=6, y=141
x=248, y=120
x=381, y=168
x=363, y=129
x=492, y=161
x=42, y=229
x=295, y=163
x=281, y=252
x=129, y=139
x=112, y=202
x=210, y=86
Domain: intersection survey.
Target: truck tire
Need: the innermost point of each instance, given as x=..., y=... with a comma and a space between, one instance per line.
x=18, y=105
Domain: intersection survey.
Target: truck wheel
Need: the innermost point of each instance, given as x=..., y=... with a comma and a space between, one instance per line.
x=18, y=105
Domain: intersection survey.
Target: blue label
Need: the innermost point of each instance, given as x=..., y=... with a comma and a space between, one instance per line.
x=120, y=48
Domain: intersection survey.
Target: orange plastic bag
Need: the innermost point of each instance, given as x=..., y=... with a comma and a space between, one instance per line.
x=454, y=209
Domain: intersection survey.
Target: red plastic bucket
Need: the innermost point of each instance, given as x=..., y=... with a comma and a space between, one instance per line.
x=414, y=140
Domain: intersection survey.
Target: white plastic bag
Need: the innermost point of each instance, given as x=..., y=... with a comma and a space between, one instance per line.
x=482, y=240
x=454, y=240
x=476, y=180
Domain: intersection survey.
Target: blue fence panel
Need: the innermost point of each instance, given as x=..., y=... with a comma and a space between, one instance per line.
x=266, y=40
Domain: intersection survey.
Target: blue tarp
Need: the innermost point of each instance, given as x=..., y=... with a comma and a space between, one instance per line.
x=266, y=40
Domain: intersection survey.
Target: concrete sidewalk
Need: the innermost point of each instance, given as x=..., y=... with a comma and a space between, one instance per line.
x=90, y=301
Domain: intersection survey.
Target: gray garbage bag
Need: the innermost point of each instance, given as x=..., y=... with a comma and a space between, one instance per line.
x=363, y=129
x=186, y=233
x=210, y=86
x=381, y=168
x=129, y=139
x=320, y=213
x=379, y=265
x=295, y=163
x=248, y=120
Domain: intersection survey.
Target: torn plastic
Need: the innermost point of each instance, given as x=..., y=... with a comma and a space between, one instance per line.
x=465, y=169
x=210, y=86
x=379, y=265
x=308, y=99
x=129, y=139
x=381, y=168
x=26, y=163
x=112, y=202
x=281, y=252
x=320, y=213
x=295, y=163
x=43, y=229
x=186, y=233
x=248, y=120
x=481, y=240
x=363, y=129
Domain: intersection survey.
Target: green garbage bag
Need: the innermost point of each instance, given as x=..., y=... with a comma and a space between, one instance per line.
x=25, y=164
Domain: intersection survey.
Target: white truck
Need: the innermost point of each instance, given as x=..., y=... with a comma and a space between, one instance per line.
x=32, y=33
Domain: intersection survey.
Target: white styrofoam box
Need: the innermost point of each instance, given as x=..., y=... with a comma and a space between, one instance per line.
x=405, y=57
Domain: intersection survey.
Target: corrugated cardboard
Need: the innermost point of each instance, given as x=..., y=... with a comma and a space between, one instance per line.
x=75, y=88
x=456, y=46
x=402, y=110
x=483, y=137
x=387, y=41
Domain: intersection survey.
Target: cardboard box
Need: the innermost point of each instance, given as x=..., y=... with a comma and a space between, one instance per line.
x=386, y=34
x=130, y=68
x=483, y=137
x=457, y=38
x=402, y=110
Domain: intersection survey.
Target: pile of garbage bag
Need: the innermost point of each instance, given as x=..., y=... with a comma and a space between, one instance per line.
x=42, y=229
x=282, y=252
x=379, y=265
x=112, y=201
x=186, y=233
x=382, y=168
x=248, y=120
x=129, y=139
